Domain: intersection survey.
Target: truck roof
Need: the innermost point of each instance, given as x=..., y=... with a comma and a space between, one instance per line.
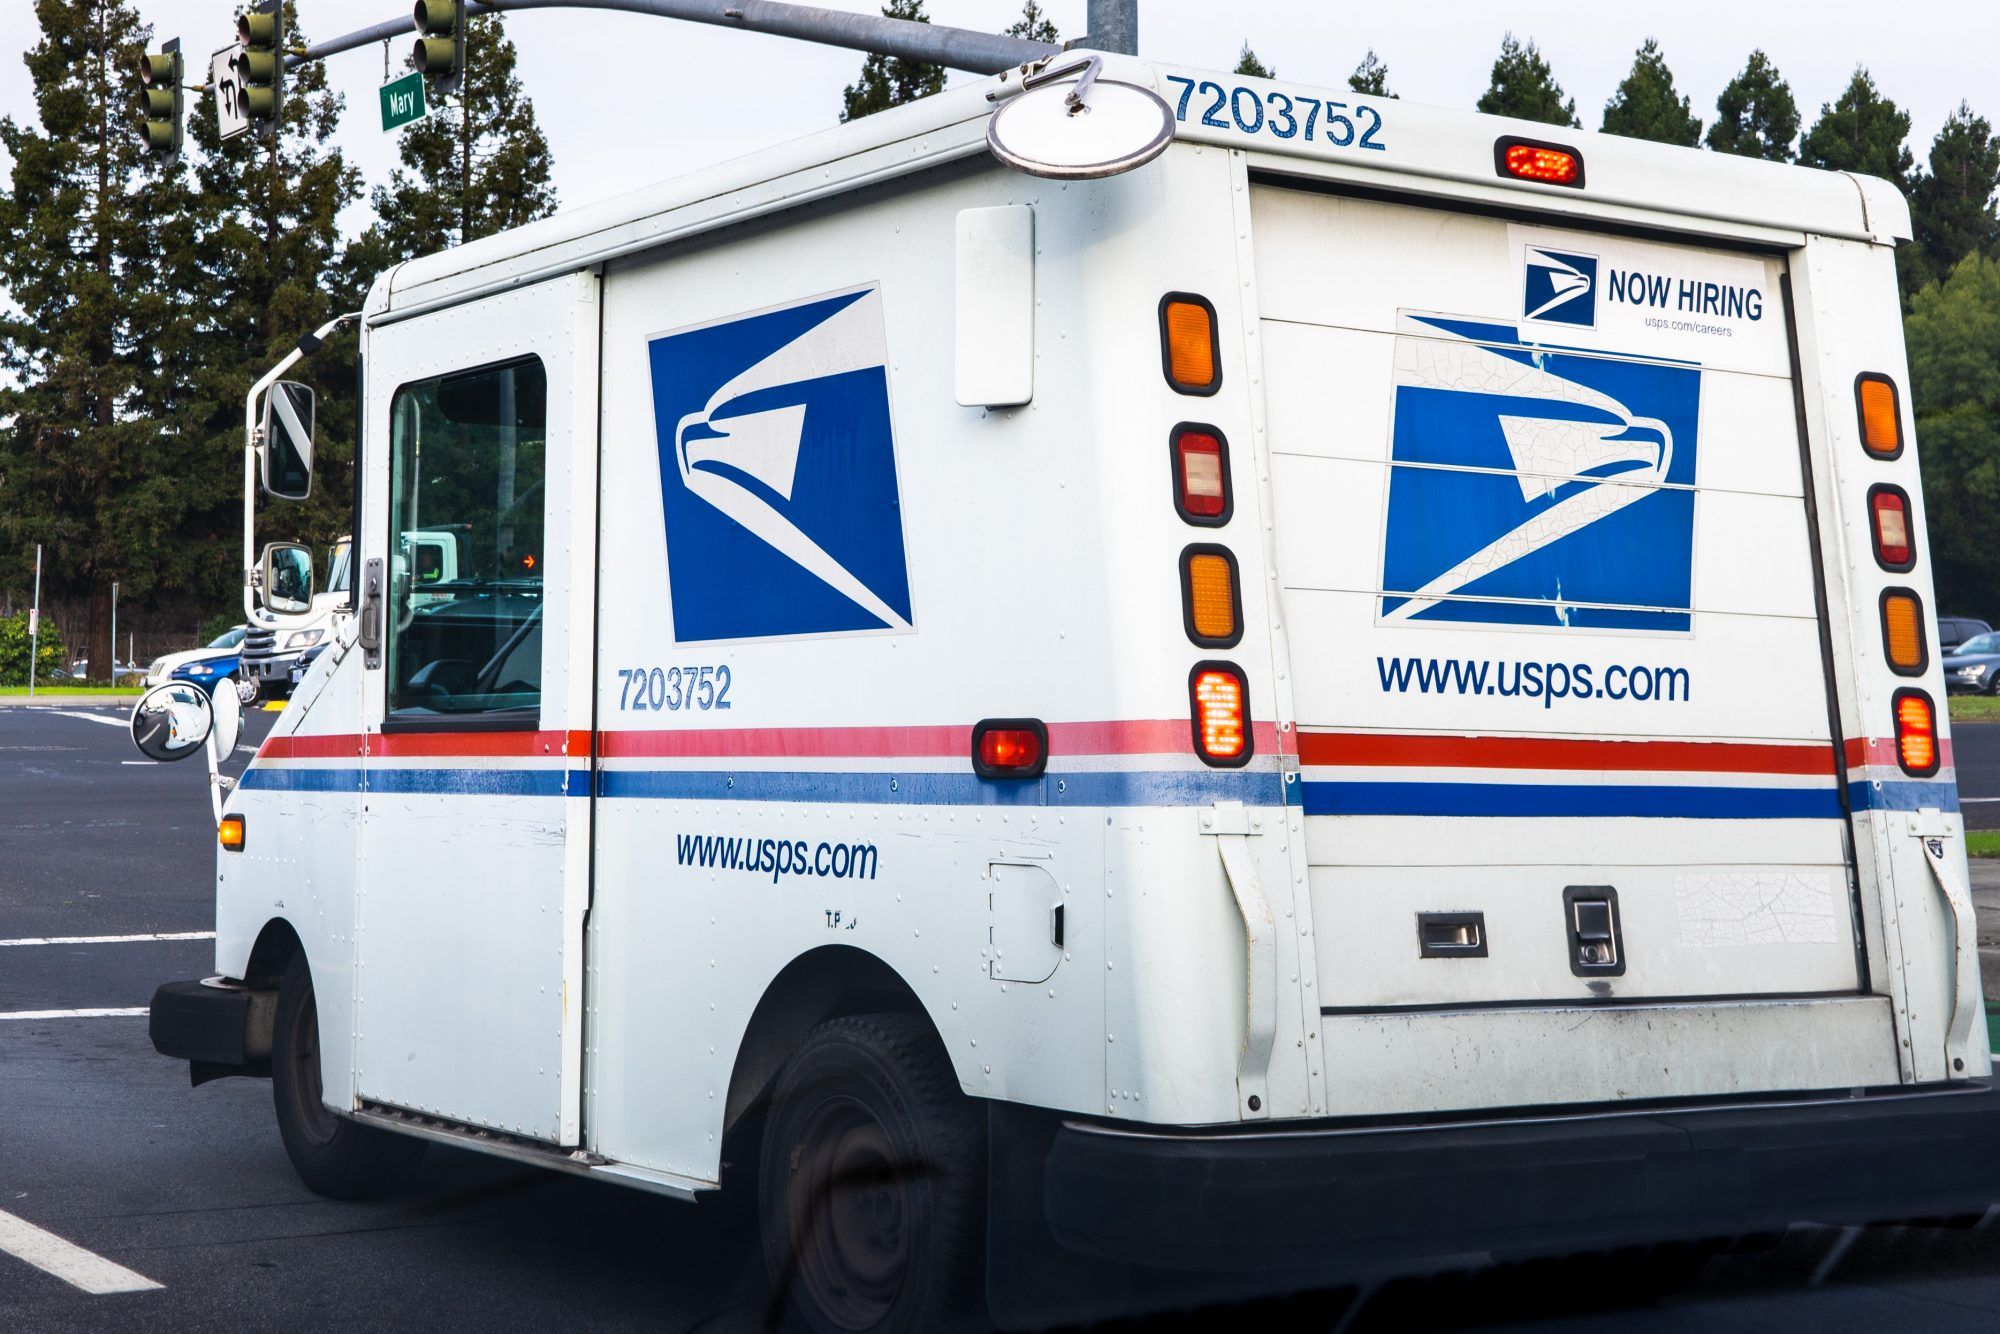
x=1442, y=153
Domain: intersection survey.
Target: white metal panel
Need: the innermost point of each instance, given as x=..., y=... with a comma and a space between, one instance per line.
x=1610, y=1053
x=993, y=307
x=469, y=970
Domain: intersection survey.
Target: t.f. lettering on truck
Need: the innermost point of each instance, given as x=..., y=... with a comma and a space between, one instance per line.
x=1102, y=720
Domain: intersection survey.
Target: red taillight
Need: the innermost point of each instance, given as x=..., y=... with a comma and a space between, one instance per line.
x=1889, y=521
x=1201, y=475
x=1916, y=733
x=1221, y=704
x=1546, y=164
x=1010, y=748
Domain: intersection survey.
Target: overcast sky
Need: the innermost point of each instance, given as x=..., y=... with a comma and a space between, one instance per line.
x=686, y=95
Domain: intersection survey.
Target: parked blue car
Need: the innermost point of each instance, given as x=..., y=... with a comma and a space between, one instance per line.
x=203, y=666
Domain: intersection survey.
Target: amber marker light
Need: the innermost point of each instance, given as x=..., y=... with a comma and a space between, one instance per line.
x=230, y=833
x=1187, y=343
x=1903, y=632
x=1875, y=399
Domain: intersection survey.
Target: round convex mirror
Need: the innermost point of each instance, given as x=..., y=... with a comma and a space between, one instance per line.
x=1112, y=128
x=171, y=721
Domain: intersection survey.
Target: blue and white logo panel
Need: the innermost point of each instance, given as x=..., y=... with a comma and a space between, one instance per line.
x=1559, y=287
x=778, y=473
x=1538, y=487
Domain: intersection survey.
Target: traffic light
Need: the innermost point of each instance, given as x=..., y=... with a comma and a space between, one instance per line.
x=160, y=81
x=262, y=32
x=440, y=49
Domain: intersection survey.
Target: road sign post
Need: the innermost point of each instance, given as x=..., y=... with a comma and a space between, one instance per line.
x=35, y=624
x=403, y=101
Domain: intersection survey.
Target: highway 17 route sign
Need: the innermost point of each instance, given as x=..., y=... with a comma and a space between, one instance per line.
x=225, y=80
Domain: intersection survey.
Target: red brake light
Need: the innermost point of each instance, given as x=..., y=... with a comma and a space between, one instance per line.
x=1201, y=475
x=1010, y=748
x=1889, y=520
x=1221, y=704
x=1916, y=733
x=1547, y=164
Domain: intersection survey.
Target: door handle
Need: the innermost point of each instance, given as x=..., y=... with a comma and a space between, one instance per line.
x=369, y=628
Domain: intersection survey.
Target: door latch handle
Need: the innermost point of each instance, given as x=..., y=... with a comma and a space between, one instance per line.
x=369, y=628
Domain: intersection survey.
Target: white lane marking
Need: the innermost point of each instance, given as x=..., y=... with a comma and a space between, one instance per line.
x=130, y=1012
x=246, y=750
x=108, y=940
x=148, y=763
x=67, y=1260
x=1962, y=800
x=87, y=717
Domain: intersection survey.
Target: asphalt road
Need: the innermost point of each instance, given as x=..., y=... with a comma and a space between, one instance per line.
x=104, y=1145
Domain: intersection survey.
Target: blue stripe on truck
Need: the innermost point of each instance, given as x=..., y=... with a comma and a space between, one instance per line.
x=1573, y=799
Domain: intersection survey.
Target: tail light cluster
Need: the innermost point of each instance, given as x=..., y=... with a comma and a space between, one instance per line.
x=1211, y=592
x=1878, y=413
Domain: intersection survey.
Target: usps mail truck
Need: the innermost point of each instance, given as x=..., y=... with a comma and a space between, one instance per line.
x=1338, y=684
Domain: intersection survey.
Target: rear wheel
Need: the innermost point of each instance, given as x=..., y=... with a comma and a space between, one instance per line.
x=334, y=1156
x=872, y=1188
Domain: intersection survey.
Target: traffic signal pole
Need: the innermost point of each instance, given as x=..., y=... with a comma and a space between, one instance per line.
x=954, y=48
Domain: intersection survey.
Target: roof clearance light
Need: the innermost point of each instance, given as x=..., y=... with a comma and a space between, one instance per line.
x=1201, y=475
x=230, y=833
x=1187, y=343
x=1889, y=515
x=1875, y=399
x=1903, y=632
x=1209, y=602
x=1545, y=164
x=1916, y=733
x=1221, y=714
x=1010, y=748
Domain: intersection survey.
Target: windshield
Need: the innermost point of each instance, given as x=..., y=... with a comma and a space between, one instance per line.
x=1987, y=643
x=228, y=638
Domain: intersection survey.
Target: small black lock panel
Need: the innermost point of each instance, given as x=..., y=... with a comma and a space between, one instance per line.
x=1596, y=947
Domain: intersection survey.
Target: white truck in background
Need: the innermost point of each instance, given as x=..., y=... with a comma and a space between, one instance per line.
x=1107, y=720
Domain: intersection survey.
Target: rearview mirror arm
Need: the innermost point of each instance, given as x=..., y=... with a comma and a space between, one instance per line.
x=252, y=431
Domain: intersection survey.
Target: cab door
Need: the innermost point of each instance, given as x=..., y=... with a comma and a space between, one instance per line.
x=476, y=737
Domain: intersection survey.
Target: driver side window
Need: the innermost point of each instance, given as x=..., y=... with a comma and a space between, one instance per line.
x=467, y=459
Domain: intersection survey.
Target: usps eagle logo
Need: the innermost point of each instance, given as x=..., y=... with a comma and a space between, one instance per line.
x=1559, y=287
x=778, y=473
x=1532, y=486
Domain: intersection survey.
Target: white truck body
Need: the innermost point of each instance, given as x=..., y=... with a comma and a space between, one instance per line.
x=1551, y=529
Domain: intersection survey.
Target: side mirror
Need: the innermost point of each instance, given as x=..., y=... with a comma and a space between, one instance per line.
x=226, y=706
x=286, y=450
x=285, y=577
x=171, y=721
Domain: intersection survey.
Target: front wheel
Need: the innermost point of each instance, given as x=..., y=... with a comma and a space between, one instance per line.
x=334, y=1156
x=873, y=1182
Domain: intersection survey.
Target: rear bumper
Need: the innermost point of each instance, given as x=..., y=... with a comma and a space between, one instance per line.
x=1299, y=1199
x=218, y=1027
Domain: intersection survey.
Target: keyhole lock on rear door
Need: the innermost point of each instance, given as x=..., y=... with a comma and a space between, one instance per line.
x=1596, y=947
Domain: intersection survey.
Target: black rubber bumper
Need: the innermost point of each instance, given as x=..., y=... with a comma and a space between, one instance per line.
x=1301, y=1198
x=217, y=1029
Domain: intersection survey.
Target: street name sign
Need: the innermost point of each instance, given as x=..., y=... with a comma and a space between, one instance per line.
x=403, y=101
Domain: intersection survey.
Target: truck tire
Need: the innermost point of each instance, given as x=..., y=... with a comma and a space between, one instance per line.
x=335, y=1157
x=872, y=1184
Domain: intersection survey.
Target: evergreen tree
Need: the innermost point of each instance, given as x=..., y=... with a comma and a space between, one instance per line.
x=269, y=255
x=1755, y=115
x=1953, y=333
x=1035, y=25
x=1646, y=105
x=1524, y=87
x=90, y=235
x=1370, y=76
x=1863, y=132
x=1249, y=66
x=890, y=81
x=477, y=165
x=1952, y=206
